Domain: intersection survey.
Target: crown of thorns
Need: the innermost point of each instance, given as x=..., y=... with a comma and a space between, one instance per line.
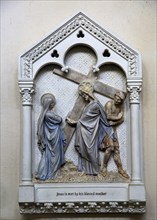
x=86, y=87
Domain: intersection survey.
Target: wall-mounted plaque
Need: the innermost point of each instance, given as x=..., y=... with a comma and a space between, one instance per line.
x=82, y=136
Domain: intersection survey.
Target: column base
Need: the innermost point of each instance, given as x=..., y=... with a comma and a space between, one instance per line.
x=137, y=191
x=26, y=192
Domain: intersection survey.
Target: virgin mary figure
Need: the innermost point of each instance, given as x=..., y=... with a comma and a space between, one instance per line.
x=51, y=140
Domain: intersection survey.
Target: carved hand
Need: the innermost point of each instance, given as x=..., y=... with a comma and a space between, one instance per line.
x=71, y=121
x=120, y=115
x=39, y=143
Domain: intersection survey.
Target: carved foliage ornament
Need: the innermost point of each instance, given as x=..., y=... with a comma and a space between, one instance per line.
x=134, y=93
x=80, y=20
x=83, y=207
x=26, y=95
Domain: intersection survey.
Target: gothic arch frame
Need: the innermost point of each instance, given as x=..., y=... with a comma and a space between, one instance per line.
x=82, y=30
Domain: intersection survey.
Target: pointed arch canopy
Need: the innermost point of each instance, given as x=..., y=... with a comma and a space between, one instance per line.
x=79, y=30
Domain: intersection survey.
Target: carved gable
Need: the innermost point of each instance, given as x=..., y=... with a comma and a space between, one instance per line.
x=79, y=30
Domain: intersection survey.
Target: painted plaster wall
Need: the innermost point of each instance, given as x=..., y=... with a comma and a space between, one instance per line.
x=24, y=23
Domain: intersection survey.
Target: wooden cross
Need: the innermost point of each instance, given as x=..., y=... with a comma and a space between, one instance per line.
x=79, y=105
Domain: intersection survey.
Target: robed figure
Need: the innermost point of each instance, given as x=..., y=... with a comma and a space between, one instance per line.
x=91, y=129
x=51, y=140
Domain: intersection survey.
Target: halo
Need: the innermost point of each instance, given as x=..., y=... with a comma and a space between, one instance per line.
x=47, y=96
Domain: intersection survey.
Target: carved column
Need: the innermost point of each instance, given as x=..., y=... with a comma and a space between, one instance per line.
x=134, y=88
x=27, y=134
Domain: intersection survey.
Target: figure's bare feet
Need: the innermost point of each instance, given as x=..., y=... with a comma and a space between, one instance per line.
x=36, y=177
x=100, y=177
x=104, y=171
x=59, y=177
x=82, y=174
x=123, y=173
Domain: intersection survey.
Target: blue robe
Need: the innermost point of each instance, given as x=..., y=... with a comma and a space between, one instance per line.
x=53, y=143
x=91, y=129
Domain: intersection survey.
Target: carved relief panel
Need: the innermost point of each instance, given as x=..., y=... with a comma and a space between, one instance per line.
x=80, y=90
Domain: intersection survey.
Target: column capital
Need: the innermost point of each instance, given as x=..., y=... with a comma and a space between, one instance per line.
x=134, y=88
x=26, y=93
